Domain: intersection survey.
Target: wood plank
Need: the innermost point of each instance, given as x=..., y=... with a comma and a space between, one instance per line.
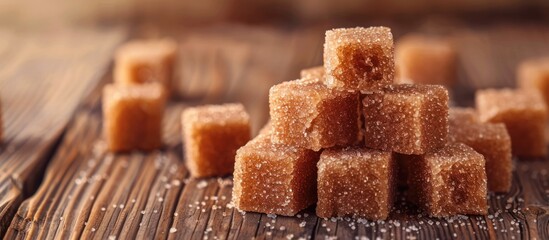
x=42, y=80
x=90, y=193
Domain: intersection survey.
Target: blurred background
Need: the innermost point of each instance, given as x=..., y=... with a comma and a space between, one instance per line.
x=234, y=50
x=36, y=13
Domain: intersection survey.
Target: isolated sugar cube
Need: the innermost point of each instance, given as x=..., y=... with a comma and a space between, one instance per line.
x=533, y=74
x=425, y=60
x=359, y=59
x=132, y=116
x=211, y=135
x=314, y=72
x=305, y=113
x=355, y=182
x=143, y=61
x=524, y=114
x=450, y=181
x=407, y=119
x=274, y=178
x=490, y=140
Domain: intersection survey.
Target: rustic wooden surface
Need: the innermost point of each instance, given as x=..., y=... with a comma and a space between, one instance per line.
x=43, y=78
x=90, y=193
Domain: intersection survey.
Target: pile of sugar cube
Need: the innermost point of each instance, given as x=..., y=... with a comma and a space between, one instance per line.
x=346, y=135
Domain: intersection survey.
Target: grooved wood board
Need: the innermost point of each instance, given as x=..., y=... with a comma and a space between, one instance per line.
x=43, y=78
x=90, y=193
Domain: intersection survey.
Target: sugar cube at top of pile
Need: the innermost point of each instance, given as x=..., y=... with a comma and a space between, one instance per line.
x=359, y=59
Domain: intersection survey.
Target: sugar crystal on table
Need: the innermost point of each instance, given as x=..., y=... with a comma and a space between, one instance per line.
x=211, y=135
x=274, y=178
x=524, y=114
x=143, y=61
x=490, y=140
x=407, y=119
x=359, y=59
x=450, y=181
x=355, y=182
x=533, y=74
x=305, y=113
x=314, y=72
x=425, y=60
x=133, y=116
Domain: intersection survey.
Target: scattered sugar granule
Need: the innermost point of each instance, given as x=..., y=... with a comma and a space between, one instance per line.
x=176, y=182
x=173, y=230
x=202, y=184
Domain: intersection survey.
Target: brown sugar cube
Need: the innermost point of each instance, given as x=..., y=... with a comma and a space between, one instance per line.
x=407, y=119
x=314, y=72
x=425, y=60
x=490, y=140
x=355, y=182
x=274, y=178
x=534, y=75
x=306, y=113
x=211, y=135
x=359, y=59
x=132, y=116
x=143, y=61
x=450, y=181
x=524, y=114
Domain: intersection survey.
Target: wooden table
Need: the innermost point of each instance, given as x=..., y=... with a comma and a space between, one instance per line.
x=57, y=180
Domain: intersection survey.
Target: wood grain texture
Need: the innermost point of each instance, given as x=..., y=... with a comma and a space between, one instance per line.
x=90, y=193
x=42, y=80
